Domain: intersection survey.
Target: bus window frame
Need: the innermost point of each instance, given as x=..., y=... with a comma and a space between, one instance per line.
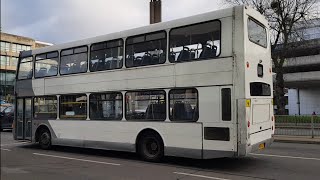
x=18, y=67
x=111, y=92
x=58, y=66
x=146, y=34
x=60, y=56
x=143, y=120
x=72, y=119
x=199, y=59
x=261, y=25
x=106, y=42
x=198, y=107
x=33, y=112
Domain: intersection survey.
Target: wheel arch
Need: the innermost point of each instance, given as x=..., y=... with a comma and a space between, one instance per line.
x=143, y=131
x=39, y=129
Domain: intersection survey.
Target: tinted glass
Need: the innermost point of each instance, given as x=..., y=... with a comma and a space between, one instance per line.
x=260, y=89
x=106, y=56
x=226, y=104
x=74, y=62
x=25, y=68
x=73, y=107
x=257, y=33
x=146, y=105
x=183, y=105
x=106, y=106
x=45, y=107
x=146, y=49
x=46, y=65
x=200, y=41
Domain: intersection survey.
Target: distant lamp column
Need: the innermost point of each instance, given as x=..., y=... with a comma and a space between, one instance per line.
x=155, y=11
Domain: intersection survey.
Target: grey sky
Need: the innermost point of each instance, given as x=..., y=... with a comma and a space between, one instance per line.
x=59, y=21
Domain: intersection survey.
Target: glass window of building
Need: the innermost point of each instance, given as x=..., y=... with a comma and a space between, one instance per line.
x=146, y=105
x=195, y=42
x=106, y=55
x=73, y=107
x=4, y=61
x=46, y=64
x=184, y=105
x=147, y=49
x=45, y=107
x=2, y=45
x=19, y=48
x=14, y=47
x=25, y=68
x=14, y=61
x=74, y=60
x=7, y=47
x=106, y=106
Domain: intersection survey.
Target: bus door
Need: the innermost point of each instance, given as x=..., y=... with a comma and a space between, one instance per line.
x=23, y=120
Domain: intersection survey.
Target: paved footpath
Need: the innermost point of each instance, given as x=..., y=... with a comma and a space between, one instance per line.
x=26, y=161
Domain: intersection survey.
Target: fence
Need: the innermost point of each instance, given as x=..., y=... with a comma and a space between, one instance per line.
x=297, y=125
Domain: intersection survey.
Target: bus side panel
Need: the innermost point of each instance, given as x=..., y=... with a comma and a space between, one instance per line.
x=122, y=135
x=219, y=136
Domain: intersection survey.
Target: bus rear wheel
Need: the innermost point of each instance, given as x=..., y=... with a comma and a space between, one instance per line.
x=45, y=139
x=150, y=147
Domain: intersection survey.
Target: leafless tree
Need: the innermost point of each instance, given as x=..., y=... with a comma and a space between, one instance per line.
x=285, y=17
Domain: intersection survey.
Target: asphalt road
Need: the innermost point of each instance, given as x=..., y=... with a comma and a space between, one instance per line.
x=20, y=160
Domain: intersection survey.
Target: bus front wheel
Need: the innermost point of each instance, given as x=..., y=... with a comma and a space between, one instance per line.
x=45, y=139
x=150, y=147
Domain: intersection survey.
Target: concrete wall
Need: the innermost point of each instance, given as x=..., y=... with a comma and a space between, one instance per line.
x=309, y=101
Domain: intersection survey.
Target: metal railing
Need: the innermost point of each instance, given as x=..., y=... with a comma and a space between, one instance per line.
x=297, y=125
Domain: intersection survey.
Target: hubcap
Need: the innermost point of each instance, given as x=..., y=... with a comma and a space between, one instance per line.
x=151, y=147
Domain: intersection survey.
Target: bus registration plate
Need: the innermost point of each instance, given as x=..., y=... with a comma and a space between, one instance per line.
x=261, y=146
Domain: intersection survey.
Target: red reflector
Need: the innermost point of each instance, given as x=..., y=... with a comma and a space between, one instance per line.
x=248, y=65
x=248, y=123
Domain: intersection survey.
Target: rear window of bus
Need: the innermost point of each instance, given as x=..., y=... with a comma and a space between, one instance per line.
x=260, y=89
x=257, y=32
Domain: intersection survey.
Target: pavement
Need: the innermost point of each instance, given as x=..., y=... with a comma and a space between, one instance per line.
x=297, y=139
x=24, y=160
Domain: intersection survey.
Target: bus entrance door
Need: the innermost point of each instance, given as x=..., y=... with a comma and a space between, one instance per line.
x=23, y=120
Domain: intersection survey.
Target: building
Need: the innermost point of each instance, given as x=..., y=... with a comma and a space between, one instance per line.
x=302, y=72
x=11, y=45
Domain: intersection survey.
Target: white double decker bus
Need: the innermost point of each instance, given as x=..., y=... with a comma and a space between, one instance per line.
x=197, y=87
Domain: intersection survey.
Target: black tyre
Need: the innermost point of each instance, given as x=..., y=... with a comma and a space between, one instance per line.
x=150, y=147
x=45, y=139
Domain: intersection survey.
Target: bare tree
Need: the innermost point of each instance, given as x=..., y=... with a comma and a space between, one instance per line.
x=284, y=17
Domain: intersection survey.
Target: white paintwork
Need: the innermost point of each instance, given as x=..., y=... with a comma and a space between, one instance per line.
x=260, y=117
x=208, y=76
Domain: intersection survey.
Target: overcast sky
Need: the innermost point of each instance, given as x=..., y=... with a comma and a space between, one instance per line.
x=59, y=21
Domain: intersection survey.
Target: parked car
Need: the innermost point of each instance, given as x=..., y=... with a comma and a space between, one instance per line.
x=6, y=117
x=2, y=101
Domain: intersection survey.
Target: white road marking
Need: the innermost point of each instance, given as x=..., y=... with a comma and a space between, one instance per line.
x=13, y=144
x=84, y=160
x=292, y=157
x=5, y=149
x=200, y=176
